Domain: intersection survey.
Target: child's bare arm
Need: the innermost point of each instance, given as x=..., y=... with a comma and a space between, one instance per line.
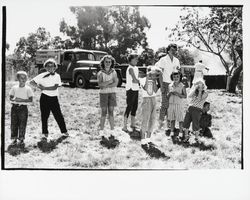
x=49, y=88
x=131, y=72
x=114, y=82
x=30, y=99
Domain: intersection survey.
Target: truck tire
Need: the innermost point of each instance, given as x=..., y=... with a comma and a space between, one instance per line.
x=80, y=81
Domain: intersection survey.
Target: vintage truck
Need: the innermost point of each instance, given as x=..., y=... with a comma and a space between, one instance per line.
x=78, y=67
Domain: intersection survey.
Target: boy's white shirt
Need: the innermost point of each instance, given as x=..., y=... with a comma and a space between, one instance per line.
x=144, y=92
x=167, y=66
x=129, y=79
x=21, y=92
x=48, y=82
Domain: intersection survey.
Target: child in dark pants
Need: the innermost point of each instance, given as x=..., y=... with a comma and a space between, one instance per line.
x=49, y=82
x=20, y=96
x=206, y=121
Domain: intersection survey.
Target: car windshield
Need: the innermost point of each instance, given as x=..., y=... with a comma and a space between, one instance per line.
x=84, y=56
x=99, y=56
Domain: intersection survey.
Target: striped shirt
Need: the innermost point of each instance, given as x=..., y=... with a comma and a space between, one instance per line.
x=107, y=76
x=197, y=101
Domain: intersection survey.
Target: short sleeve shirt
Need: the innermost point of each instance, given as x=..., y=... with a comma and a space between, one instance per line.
x=168, y=66
x=107, y=77
x=48, y=81
x=21, y=92
x=144, y=87
x=129, y=79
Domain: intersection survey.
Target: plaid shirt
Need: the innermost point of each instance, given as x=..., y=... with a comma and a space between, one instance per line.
x=206, y=120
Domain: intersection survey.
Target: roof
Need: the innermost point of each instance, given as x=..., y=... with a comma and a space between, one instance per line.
x=73, y=50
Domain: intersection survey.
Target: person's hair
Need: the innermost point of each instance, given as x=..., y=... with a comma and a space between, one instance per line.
x=21, y=73
x=103, y=60
x=200, y=61
x=176, y=73
x=50, y=61
x=206, y=103
x=172, y=45
x=132, y=56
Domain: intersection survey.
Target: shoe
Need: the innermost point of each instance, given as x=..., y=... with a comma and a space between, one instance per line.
x=44, y=137
x=151, y=144
x=145, y=146
x=65, y=134
x=171, y=134
x=21, y=143
x=125, y=130
x=13, y=141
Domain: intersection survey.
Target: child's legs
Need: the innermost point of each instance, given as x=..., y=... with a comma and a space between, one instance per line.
x=45, y=111
x=111, y=117
x=171, y=116
x=179, y=116
x=23, y=117
x=14, y=122
x=164, y=101
x=111, y=104
x=152, y=118
x=187, y=120
x=145, y=117
x=129, y=100
x=134, y=103
x=181, y=127
x=56, y=111
x=104, y=109
x=196, y=115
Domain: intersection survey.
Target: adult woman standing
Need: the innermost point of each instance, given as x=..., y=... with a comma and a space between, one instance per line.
x=168, y=64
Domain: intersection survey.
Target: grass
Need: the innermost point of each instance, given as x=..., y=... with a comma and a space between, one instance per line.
x=83, y=150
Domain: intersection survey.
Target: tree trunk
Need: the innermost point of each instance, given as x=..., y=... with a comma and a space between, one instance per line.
x=234, y=80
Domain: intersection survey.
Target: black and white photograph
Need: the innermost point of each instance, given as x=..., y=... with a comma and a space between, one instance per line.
x=110, y=87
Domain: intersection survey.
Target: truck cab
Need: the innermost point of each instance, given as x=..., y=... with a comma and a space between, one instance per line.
x=78, y=67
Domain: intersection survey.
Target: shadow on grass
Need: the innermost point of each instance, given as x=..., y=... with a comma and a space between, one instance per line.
x=47, y=147
x=197, y=144
x=109, y=142
x=16, y=149
x=153, y=151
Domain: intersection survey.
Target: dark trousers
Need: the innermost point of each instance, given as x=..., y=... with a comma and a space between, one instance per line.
x=206, y=132
x=48, y=104
x=132, y=102
x=19, y=117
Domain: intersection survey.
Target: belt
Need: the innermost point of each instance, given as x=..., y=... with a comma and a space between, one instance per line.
x=18, y=105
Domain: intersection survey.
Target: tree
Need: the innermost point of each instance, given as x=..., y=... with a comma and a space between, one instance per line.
x=116, y=29
x=146, y=58
x=218, y=33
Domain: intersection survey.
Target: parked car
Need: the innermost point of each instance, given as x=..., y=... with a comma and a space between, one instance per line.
x=78, y=67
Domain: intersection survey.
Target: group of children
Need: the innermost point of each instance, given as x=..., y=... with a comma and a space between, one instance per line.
x=48, y=82
x=149, y=85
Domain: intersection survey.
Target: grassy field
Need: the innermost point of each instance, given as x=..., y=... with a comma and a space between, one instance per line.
x=82, y=150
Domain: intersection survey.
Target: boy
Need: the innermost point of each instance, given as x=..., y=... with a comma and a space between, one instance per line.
x=206, y=121
x=20, y=96
x=149, y=89
x=49, y=82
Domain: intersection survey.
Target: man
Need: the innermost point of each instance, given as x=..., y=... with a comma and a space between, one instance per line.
x=199, y=70
x=168, y=64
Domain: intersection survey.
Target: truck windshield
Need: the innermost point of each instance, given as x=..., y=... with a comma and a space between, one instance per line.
x=84, y=56
x=99, y=56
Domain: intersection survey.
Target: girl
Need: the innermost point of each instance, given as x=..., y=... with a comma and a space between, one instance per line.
x=149, y=88
x=198, y=95
x=20, y=96
x=132, y=90
x=49, y=82
x=177, y=92
x=107, y=80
